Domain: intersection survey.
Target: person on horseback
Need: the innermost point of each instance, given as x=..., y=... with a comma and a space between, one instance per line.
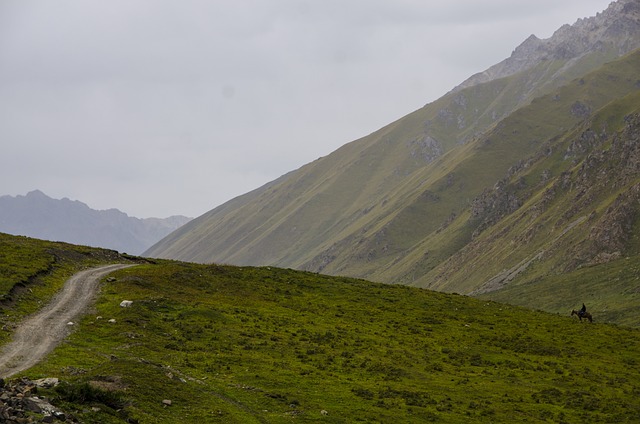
x=582, y=311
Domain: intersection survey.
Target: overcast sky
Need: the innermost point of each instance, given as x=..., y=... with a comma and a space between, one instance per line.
x=159, y=107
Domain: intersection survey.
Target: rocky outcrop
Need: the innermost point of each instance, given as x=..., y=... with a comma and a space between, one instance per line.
x=20, y=403
x=494, y=204
x=426, y=149
x=616, y=28
x=610, y=170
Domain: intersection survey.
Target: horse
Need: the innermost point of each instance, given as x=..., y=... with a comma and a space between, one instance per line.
x=586, y=315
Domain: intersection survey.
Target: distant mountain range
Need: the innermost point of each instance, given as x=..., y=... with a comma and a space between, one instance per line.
x=37, y=215
x=521, y=176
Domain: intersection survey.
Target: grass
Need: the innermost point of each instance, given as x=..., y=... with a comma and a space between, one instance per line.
x=268, y=345
x=611, y=291
x=32, y=271
x=22, y=258
x=552, y=230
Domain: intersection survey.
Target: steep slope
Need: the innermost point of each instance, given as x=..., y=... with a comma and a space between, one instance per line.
x=368, y=204
x=565, y=224
x=38, y=215
x=531, y=140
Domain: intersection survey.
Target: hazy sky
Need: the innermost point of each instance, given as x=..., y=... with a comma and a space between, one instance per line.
x=159, y=107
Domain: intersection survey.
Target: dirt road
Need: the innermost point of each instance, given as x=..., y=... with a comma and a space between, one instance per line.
x=37, y=335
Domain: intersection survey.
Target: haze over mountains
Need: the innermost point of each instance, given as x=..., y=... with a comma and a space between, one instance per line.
x=512, y=177
x=38, y=215
x=521, y=185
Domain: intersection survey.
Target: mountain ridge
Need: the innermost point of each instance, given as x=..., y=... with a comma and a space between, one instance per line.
x=613, y=26
x=38, y=215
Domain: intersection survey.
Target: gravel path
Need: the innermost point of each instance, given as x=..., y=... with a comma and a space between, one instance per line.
x=39, y=333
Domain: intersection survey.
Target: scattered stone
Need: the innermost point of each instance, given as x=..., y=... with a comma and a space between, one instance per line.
x=19, y=403
x=70, y=323
x=126, y=303
x=324, y=412
x=47, y=383
x=37, y=405
x=112, y=320
x=167, y=402
x=73, y=370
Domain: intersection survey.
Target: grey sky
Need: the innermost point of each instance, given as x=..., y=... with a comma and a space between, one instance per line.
x=159, y=107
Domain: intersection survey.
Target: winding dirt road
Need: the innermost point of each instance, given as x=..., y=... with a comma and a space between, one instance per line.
x=39, y=333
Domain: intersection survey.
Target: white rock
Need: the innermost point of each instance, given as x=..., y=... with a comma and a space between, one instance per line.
x=47, y=383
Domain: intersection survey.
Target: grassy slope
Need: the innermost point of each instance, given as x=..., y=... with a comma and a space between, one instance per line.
x=394, y=252
x=552, y=222
x=611, y=290
x=330, y=207
x=371, y=209
x=32, y=270
x=267, y=345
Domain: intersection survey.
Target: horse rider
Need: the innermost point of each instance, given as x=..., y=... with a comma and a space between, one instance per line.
x=582, y=311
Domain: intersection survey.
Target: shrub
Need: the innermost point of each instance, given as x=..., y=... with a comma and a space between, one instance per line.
x=86, y=394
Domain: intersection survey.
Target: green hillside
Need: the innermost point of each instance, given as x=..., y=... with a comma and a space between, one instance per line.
x=572, y=208
x=269, y=345
x=32, y=270
x=321, y=211
x=442, y=197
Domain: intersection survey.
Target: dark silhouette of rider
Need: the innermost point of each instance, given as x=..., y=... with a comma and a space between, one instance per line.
x=582, y=310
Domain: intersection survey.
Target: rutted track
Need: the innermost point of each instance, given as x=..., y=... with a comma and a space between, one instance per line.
x=37, y=335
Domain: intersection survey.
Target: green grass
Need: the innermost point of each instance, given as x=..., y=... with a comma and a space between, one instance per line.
x=611, y=291
x=32, y=271
x=243, y=345
x=22, y=258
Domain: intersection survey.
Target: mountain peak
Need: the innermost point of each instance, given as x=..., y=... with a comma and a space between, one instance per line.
x=37, y=194
x=615, y=28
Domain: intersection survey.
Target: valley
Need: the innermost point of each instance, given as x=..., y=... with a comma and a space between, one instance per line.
x=425, y=272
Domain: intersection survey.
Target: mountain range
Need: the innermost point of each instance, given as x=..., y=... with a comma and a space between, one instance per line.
x=521, y=174
x=38, y=215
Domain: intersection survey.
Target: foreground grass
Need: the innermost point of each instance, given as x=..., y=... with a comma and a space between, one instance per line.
x=242, y=345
